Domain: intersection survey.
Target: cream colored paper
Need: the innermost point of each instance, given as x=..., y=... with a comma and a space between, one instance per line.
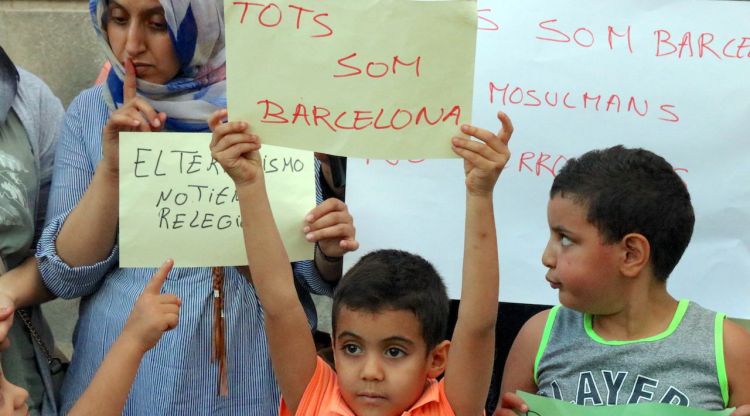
x=175, y=201
x=288, y=70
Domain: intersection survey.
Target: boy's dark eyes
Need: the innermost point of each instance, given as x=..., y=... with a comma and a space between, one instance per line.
x=394, y=352
x=351, y=348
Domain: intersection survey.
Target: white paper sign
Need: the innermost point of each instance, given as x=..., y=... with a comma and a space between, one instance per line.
x=669, y=76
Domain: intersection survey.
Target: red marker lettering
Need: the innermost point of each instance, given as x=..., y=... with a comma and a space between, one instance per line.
x=704, y=40
x=277, y=115
x=300, y=10
x=562, y=38
x=522, y=161
x=589, y=35
x=317, y=19
x=672, y=116
x=321, y=113
x=491, y=25
x=662, y=39
x=244, y=10
x=632, y=106
x=594, y=98
x=611, y=32
x=686, y=42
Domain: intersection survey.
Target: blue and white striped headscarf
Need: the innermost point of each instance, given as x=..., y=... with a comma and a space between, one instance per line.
x=197, y=31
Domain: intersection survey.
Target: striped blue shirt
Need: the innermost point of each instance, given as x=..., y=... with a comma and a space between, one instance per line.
x=177, y=376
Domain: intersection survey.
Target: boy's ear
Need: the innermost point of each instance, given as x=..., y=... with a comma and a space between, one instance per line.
x=438, y=359
x=636, y=254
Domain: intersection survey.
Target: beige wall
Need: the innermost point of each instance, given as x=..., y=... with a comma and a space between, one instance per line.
x=54, y=40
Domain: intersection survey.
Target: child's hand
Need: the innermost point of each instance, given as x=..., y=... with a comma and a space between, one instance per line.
x=235, y=149
x=483, y=162
x=510, y=403
x=153, y=313
x=6, y=319
x=332, y=227
x=743, y=410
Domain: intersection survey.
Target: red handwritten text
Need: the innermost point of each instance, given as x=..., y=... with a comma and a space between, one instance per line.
x=485, y=23
x=540, y=163
x=586, y=101
x=583, y=36
x=379, y=119
x=700, y=46
x=271, y=15
x=376, y=69
x=396, y=161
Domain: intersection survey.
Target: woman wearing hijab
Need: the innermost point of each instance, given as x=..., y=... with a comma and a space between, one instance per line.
x=30, y=116
x=168, y=74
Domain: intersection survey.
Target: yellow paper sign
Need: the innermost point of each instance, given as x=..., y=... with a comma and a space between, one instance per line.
x=177, y=202
x=384, y=79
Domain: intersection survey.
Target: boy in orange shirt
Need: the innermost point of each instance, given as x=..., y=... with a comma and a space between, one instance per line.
x=390, y=310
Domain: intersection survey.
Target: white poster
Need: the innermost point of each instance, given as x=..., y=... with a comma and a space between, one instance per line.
x=669, y=76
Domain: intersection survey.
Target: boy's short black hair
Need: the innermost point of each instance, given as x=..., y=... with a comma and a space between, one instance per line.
x=396, y=280
x=632, y=191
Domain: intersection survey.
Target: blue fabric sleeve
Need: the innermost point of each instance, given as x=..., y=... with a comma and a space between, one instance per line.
x=79, y=140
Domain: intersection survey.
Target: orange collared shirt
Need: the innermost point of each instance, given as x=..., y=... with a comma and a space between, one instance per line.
x=322, y=397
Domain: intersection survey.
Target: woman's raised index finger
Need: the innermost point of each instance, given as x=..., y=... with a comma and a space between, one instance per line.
x=129, y=85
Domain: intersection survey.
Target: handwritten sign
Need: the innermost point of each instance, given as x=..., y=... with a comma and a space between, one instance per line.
x=543, y=406
x=381, y=78
x=176, y=201
x=669, y=76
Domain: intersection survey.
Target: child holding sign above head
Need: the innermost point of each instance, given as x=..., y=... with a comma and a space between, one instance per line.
x=390, y=310
x=620, y=219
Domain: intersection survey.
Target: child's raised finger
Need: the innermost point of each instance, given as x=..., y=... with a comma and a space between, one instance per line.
x=157, y=281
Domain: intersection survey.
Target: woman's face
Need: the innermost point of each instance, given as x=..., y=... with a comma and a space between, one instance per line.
x=12, y=398
x=137, y=30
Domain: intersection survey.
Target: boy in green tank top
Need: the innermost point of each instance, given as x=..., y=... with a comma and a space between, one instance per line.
x=620, y=219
